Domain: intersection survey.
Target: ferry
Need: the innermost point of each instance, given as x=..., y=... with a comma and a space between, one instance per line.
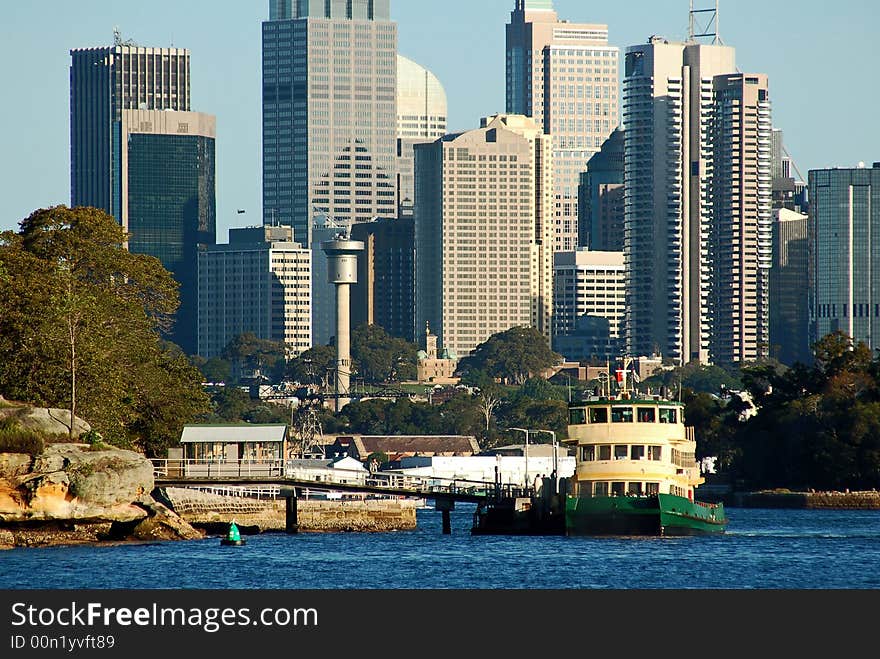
x=636, y=471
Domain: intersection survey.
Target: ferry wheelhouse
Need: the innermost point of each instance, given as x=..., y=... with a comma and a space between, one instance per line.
x=636, y=470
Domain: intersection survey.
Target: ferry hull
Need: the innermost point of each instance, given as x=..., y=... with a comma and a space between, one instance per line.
x=662, y=514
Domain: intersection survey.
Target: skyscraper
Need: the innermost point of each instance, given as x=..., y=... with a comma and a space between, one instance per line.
x=844, y=270
x=686, y=194
x=383, y=294
x=322, y=59
x=565, y=76
x=421, y=117
x=483, y=240
x=139, y=153
x=600, y=198
x=741, y=233
x=105, y=82
x=169, y=200
x=789, y=296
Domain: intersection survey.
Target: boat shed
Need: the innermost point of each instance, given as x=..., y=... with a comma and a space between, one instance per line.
x=234, y=442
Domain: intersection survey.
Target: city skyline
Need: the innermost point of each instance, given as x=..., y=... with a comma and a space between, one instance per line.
x=792, y=47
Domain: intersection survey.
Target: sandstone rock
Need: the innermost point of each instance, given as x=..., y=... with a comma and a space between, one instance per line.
x=49, y=421
x=162, y=524
x=7, y=540
x=14, y=464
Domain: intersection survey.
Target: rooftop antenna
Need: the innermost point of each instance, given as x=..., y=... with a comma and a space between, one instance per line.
x=117, y=38
x=705, y=22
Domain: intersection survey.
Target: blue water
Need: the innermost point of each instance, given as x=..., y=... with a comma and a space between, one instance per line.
x=797, y=549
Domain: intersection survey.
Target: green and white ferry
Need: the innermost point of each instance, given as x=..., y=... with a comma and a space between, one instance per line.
x=636, y=470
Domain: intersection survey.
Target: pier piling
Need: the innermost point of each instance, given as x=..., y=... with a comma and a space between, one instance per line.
x=291, y=524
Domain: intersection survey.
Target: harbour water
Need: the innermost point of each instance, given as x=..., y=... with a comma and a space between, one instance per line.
x=792, y=549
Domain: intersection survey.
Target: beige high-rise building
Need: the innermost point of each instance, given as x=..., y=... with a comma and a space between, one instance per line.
x=483, y=241
x=565, y=76
x=741, y=234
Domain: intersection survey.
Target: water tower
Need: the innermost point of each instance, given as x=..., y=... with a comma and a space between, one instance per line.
x=342, y=256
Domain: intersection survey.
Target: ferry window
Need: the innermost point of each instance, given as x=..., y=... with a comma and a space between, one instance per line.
x=605, y=452
x=667, y=415
x=653, y=452
x=588, y=453
x=618, y=489
x=646, y=414
x=621, y=415
x=585, y=488
x=652, y=488
x=635, y=489
x=621, y=452
x=601, y=489
x=637, y=452
x=577, y=417
x=598, y=415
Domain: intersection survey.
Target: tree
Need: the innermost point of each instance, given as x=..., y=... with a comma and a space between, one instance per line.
x=80, y=326
x=488, y=400
x=380, y=357
x=512, y=356
x=313, y=366
x=250, y=354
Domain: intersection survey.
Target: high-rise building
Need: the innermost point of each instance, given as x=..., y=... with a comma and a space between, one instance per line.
x=789, y=296
x=681, y=188
x=139, y=153
x=483, y=199
x=104, y=82
x=600, y=198
x=383, y=294
x=788, y=192
x=421, y=117
x=844, y=270
x=169, y=200
x=588, y=304
x=329, y=113
x=565, y=76
x=261, y=283
x=741, y=234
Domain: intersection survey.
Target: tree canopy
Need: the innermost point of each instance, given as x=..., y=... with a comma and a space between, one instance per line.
x=512, y=356
x=379, y=357
x=80, y=322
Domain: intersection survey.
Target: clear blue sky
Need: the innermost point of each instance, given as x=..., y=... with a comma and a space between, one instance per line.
x=821, y=58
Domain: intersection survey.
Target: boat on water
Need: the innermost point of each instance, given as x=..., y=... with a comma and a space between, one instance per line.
x=636, y=472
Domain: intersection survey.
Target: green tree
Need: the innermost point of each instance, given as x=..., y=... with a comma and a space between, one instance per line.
x=250, y=354
x=513, y=355
x=379, y=357
x=80, y=326
x=314, y=366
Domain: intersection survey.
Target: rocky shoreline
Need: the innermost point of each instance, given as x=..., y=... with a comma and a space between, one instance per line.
x=846, y=500
x=77, y=494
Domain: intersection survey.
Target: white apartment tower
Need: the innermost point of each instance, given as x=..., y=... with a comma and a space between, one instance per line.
x=565, y=76
x=693, y=186
x=483, y=241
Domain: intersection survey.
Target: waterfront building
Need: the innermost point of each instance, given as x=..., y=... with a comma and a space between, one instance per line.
x=682, y=190
x=259, y=282
x=383, y=294
x=588, y=304
x=600, y=198
x=483, y=201
x=789, y=297
x=421, y=117
x=844, y=228
x=320, y=158
x=565, y=76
